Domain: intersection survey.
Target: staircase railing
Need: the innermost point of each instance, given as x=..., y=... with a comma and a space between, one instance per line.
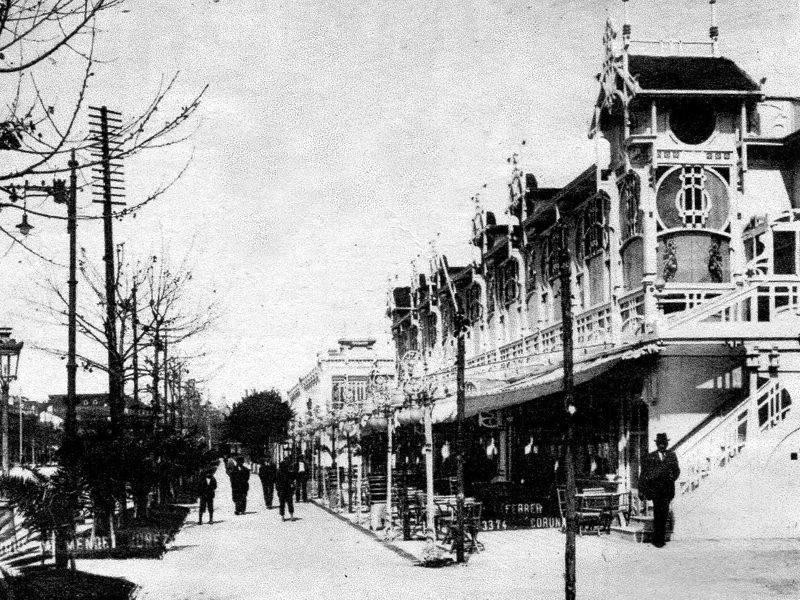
x=757, y=302
x=714, y=446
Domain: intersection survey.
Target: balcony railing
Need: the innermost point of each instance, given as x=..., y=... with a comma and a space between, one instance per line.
x=675, y=299
x=683, y=308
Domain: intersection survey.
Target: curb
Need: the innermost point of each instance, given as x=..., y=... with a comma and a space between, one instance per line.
x=396, y=549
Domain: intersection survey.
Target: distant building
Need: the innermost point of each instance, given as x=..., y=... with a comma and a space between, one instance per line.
x=29, y=407
x=340, y=377
x=339, y=373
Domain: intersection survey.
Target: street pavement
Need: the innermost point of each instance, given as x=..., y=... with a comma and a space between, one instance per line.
x=319, y=557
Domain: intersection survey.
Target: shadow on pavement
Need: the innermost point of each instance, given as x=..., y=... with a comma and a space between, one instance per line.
x=52, y=584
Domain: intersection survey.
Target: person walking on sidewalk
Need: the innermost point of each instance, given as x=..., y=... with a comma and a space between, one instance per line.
x=657, y=483
x=240, y=485
x=205, y=493
x=285, y=485
x=230, y=467
x=267, y=472
x=302, y=481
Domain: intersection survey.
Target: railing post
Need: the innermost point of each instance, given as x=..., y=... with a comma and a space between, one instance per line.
x=752, y=364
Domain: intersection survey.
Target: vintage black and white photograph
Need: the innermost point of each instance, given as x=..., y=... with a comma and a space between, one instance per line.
x=410, y=299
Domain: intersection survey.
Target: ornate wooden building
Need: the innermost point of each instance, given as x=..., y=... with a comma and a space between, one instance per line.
x=686, y=295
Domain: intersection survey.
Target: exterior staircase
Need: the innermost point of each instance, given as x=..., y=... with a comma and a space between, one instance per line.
x=740, y=474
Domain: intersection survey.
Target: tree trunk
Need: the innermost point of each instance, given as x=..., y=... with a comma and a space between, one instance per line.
x=60, y=549
x=111, y=531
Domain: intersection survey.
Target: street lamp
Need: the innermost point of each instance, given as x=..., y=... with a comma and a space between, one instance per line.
x=9, y=364
x=61, y=194
x=419, y=390
x=348, y=426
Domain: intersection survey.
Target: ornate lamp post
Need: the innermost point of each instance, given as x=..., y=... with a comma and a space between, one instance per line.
x=381, y=391
x=9, y=364
x=347, y=427
x=419, y=390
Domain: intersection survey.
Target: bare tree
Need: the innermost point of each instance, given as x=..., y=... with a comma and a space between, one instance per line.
x=154, y=298
x=32, y=34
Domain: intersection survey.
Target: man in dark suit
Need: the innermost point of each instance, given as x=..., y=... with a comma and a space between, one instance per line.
x=284, y=483
x=240, y=485
x=657, y=483
x=205, y=493
x=267, y=472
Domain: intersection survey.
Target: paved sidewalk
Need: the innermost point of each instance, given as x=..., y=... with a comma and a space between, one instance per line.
x=319, y=557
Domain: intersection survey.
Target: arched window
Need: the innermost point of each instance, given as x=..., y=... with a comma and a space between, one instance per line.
x=490, y=285
x=593, y=230
x=551, y=248
x=430, y=330
x=473, y=303
x=530, y=268
x=509, y=275
x=580, y=233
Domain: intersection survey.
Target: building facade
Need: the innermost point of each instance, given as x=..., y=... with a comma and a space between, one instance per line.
x=684, y=271
x=339, y=380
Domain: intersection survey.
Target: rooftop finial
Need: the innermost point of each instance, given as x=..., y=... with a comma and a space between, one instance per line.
x=626, y=25
x=713, y=31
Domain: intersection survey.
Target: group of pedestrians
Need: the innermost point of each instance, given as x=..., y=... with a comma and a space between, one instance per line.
x=289, y=479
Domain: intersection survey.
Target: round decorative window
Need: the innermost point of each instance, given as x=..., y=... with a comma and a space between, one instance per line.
x=692, y=122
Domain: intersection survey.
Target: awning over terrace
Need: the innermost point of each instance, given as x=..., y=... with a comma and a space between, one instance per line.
x=535, y=385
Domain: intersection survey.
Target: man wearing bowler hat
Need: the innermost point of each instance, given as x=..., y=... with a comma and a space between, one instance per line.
x=657, y=483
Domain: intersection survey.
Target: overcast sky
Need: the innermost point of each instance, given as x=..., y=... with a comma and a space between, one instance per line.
x=337, y=139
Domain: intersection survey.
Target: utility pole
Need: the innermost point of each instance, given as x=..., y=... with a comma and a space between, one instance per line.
x=110, y=125
x=21, y=462
x=180, y=396
x=460, y=408
x=135, y=332
x=349, y=474
x=168, y=410
x=156, y=373
x=565, y=273
x=334, y=466
x=70, y=421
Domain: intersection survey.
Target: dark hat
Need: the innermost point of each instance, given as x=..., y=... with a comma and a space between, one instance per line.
x=662, y=437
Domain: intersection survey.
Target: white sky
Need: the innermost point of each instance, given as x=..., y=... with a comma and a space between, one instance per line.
x=337, y=138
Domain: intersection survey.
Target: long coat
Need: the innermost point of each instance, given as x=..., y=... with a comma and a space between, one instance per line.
x=658, y=477
x=286, y=477
x=239, y=480
x=267, y=473
x=206, y=487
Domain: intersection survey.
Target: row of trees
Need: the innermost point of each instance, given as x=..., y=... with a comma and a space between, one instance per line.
x=135, y=334
x=155, y=316
x=110, y=469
